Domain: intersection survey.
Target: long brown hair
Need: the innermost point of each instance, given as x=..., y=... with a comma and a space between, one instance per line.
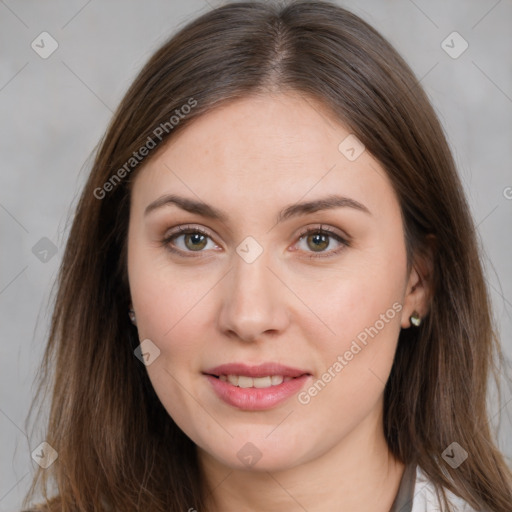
x=118, y=448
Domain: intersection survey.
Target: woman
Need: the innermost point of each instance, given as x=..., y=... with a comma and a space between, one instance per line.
x=271, y=296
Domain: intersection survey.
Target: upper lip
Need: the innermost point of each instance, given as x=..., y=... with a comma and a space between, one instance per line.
x=261, y=370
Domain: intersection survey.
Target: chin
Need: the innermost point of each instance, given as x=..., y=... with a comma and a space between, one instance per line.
x=255, y=453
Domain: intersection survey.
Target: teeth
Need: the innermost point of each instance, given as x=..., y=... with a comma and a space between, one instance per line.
x=262, y=382
x=233, y=379
x=242, y=381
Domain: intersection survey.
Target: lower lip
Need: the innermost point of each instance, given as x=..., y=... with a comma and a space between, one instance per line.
x=256, y=399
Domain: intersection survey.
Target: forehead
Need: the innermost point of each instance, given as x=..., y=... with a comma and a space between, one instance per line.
x=265, y=128
x=260, y=149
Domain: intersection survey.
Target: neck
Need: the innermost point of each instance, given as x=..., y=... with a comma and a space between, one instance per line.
x=356, y=475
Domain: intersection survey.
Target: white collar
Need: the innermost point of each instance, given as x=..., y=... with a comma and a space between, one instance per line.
x=425, y=498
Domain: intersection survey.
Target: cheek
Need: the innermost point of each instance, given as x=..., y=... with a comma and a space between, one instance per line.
x=164, y=305
x=362, y=306
x=165, y=295
x=171, y=311
x=357, y=295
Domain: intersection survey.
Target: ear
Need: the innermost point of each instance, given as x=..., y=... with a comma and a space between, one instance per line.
x=419, y=289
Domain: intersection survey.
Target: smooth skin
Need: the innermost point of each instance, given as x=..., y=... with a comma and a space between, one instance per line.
x=301, y=303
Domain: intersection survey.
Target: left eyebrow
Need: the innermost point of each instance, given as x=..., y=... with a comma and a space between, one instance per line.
x=294, y=210
x=324, y=203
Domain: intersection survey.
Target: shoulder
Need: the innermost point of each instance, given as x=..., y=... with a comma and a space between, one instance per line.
x=425, y=499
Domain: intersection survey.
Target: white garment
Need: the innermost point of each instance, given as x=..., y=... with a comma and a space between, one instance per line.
x=425, y=499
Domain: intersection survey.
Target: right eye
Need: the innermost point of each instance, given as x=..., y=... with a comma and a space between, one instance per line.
x=187, y=239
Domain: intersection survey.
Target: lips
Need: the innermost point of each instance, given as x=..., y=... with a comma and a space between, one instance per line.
x=255, y=388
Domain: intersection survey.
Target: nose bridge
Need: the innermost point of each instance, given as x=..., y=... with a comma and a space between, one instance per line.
x=252, y=302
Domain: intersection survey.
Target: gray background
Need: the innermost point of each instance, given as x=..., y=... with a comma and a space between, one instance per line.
x=55, y=110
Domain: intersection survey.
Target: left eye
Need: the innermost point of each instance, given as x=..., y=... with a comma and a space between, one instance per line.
x=318, y=240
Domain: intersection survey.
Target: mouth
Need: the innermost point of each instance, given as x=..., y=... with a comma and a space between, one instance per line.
x=256, y=387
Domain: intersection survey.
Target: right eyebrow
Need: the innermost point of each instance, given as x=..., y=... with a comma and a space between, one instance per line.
x=189, y=205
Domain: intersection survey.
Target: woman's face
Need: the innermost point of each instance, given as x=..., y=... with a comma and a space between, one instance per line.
x=308, y=320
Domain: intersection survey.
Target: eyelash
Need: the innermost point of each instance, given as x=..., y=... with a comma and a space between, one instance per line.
x=189, y=230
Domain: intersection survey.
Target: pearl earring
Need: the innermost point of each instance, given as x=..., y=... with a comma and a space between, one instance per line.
x=415, y=319
x=131, y=314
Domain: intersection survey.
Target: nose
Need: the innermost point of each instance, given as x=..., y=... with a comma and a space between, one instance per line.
x=253, y=306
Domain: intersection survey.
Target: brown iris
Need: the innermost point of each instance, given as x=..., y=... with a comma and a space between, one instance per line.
x=321, y=240
x=198, y=241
